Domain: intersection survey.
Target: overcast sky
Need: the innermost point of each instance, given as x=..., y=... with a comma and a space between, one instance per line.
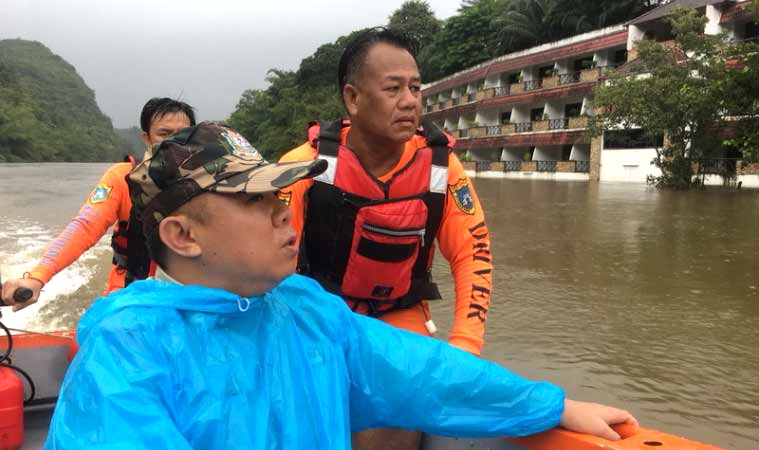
x=206, y=52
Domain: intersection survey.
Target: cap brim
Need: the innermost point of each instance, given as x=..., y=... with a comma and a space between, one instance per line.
x=269, y=177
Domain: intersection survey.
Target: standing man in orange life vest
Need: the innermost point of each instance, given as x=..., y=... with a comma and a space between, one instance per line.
x=108, y=205
x=368, y=224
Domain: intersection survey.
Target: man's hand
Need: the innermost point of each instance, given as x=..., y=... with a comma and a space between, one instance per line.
x=592, y=418
x=10, y=286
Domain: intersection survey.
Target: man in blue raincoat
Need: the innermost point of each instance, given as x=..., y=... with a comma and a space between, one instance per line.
x=226, y=348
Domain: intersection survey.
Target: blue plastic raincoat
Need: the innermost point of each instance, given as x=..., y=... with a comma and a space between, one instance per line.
x=177, y=367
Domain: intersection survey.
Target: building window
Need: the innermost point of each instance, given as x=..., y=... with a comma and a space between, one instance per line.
x=513, y=78
x=635, y=138
x=505, y=117
x=572, y=110
x=536, y=114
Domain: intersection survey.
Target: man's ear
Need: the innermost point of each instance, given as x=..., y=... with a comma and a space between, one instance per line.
x=350, y=97
x=178, y=235
x=146, y=139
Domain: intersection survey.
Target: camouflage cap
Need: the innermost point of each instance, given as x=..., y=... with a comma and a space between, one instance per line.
x=208, y=157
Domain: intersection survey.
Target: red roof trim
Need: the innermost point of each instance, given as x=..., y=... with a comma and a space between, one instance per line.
x=553, y=54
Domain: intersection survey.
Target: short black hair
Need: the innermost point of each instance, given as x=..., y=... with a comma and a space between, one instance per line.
x=354, y=55
x=159, y=106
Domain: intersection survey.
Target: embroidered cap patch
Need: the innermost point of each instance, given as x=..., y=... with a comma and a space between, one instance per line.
x=100, y=193
x=462, y=196
x=285, y=197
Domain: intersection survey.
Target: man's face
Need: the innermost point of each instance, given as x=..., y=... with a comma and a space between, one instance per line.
x=163, y=126
x=246, y=240
x=387, y=100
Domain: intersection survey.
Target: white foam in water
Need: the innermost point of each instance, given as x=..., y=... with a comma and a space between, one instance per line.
x=21, y=245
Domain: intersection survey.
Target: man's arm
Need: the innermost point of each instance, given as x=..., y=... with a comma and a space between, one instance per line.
x=99, y=212
x=111, y=397
x=400, y=379
x=403, y=380
x=465, y=242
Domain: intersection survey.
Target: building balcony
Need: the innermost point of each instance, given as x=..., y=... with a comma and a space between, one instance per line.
x=502, y=91
x=484, y=94
x=574, y=123
x=558, y=124
x=547, y=166
x=540, y=125
x=550, y=82
x=533, y=85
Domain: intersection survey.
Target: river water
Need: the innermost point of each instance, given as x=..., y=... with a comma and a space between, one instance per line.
x=622, y=294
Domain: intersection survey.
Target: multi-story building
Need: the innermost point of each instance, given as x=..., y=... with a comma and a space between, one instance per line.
x=525, y=114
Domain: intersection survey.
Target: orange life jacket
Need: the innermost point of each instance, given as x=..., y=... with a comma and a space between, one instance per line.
x=368, y=241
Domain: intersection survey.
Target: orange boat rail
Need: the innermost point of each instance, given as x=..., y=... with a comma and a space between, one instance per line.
x=633, y=438
x=49, y=338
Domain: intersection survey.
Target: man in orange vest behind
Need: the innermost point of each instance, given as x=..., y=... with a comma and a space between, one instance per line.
x=108, y=205
x=368, y=224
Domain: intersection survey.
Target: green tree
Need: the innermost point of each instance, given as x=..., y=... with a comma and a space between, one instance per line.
x=466, y=39
x=686, y=92
x=416, y=19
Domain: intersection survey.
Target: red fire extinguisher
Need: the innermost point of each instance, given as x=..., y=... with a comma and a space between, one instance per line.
x=11, y=391
x=11, y=410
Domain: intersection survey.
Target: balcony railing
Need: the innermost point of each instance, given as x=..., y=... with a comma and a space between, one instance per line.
x=471, y=97
x=456, y=101
x=502, y=91
x=440, y=105
x=558, y=124
x=532, y=85
x=582, y=166
x=512, y=166
x=577, y=122
x=717, y=166
x=493, y=130
x=482, y=166
x=463, y=133
x=429, y=108
x=523, y=127
x=569, y=78
x=546, y=166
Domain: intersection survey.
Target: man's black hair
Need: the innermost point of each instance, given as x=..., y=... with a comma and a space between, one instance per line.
x=157, y=107
x=354, y=55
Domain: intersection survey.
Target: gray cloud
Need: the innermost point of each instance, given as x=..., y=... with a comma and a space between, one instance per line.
x=206, y=52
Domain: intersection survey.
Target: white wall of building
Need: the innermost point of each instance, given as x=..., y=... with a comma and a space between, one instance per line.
x=630, y=165
x=492, y=81
x=554, y=110
x=634, y=34
x=451, y=123
x=580, y=153
x=487, y=117
x=713, y=16
x=520, y=113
